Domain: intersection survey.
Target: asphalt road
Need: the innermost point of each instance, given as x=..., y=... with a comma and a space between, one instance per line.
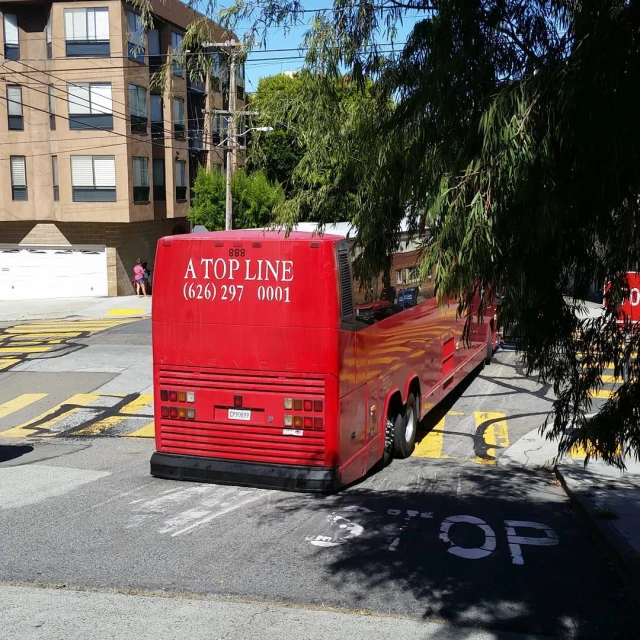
x=446, y=536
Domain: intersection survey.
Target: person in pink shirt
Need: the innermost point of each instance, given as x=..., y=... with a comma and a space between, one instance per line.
x=138, y=278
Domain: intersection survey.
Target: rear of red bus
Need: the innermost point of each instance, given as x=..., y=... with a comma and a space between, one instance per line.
x=245, y=357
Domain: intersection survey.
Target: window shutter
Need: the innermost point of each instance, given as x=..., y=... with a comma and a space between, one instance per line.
x=158, y=173
x=11, y=29
x=105, y=171
x=131, y=26
x=81, y=171
x=181, y=173
x=54, y=170
x=52, y=99
x=153, y=40
x=102, y=24
x=101, y=98
x=18, y=171
x=144, y=172
x=68, y=24
x=156, y=108
x=14, y=99
x=79, y=24
x=346, y=290
x=136, y=172
x=79, y=101
x=178, y=110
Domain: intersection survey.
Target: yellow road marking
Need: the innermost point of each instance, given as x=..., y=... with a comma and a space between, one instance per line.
x=29, y=342
x=454, y=413
x=36, y=424
x=148, y=431
x=124, y=312
x=7, y=362
x=20, y=402
x=495, y=434
x=107, y=423
x=601, y=394
x=431, y=445
x=24, y=349
x=606, y=378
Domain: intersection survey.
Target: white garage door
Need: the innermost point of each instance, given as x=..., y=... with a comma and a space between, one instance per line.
x=52, y=273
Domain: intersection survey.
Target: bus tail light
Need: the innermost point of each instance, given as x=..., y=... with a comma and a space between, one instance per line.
x=173, y=396
x=317, y=405
x=297, y=421
x=237, y=401
x=288, y=403
x=173, y=412
x=297, y=405
x=317, y=423
x=182, y=413
x=308, y=422
x=182, y=396
x=191, y=414
x=164, y=395
x=191, y=396
x=164, y=412
x=308, y=405
x=288, y=420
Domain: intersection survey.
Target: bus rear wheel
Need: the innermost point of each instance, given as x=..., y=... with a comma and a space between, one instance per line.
x=405, y=427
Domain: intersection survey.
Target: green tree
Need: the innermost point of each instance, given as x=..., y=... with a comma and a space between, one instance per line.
x=208, y=202
x=277, y=152
x=514, y=133
x=253, y=199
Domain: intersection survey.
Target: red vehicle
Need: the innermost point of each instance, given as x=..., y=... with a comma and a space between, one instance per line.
x=630, y=307
x=265, y=376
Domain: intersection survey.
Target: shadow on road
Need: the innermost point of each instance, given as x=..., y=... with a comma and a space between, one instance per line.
x=11, y=452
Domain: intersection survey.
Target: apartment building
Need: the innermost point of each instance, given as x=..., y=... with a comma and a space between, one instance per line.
x=95, y=162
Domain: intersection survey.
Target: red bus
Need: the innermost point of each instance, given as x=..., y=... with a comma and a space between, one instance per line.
x=273, y=369
x=630, y=307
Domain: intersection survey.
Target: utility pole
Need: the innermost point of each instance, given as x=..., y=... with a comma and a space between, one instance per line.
x=231, y=138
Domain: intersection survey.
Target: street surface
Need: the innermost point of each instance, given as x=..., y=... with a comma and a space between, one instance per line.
x=446, y=536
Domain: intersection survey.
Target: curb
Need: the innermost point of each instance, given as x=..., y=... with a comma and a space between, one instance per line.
x=625, y=559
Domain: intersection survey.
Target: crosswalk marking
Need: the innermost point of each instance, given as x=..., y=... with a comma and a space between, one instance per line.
x=431, y=445
x=24, y=349
x=609, y=379
x=136, y=405
x=11, y=406
x=601, y=394
x=148, y=431
x=5, y=363
x=41, y=425
x=496, y=433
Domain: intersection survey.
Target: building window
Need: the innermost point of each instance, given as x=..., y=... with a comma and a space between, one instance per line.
x=138, y=108
x=135, y=37
x=90, y=106
x=398, y=276
x=141, y=180
x=240, y=82
x=18, y=178
x=176, y=53
x=87, y=32
x=93, y=178
x=52, y=108
x=159, y=192
x=48, y=38
x=181, y=180
x=178, y=118
x=11, y=41
x=413, y=275
x=56, y=180
x=153, y=45
x=215, y=71
x=157, y=116
x=14, y=106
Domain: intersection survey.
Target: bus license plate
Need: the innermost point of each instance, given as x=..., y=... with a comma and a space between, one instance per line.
x=239, y=414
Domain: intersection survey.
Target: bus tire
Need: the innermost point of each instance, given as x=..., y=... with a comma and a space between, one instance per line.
x=405, y=427
x=489, y=354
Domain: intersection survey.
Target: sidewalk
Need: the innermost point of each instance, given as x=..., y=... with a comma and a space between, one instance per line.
x=608, y=499
x=28, y=310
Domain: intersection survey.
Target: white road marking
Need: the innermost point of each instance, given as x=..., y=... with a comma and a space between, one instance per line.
x=515, y=541
x=486, y=549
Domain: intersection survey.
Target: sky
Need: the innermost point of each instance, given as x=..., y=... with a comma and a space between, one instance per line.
x=262, y=63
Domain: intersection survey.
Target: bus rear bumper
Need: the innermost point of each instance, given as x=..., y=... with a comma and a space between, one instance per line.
x=245, y=474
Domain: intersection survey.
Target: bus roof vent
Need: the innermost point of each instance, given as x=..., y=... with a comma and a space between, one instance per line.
x=346, y=291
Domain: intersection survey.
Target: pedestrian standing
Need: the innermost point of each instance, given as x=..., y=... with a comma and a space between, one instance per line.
x=138, y=277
